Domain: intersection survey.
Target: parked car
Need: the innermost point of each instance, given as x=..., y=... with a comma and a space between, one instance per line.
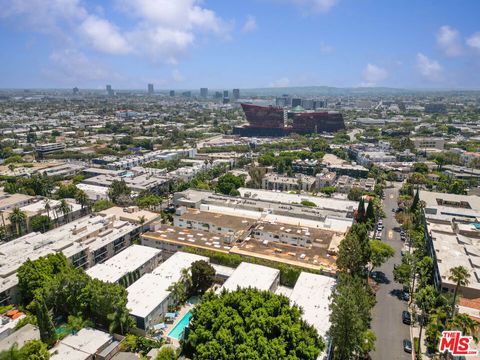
x=405, y=296
x=407, y=346
x=406, y=317
x=403, y=252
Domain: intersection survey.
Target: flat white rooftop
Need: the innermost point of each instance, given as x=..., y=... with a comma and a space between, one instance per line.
x=251, y=275
x=89, y=232
x=148, y=292
x=329, y=223
x=87, y=341
x=62, y=352
x=287, y=198
x=123, y=263
x=311, y=293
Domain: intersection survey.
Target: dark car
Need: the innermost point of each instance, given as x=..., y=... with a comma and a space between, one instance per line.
x=405, y=296
x=407, y=346
x=406, y=317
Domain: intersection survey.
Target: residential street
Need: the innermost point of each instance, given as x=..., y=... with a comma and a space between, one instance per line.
x=387, y=313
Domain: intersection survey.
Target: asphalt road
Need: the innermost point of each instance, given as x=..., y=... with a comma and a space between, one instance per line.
x=387, y=313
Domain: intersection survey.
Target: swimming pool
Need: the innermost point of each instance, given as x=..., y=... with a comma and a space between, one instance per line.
x=177, y=331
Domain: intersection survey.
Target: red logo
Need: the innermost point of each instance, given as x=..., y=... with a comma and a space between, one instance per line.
x=456, y=344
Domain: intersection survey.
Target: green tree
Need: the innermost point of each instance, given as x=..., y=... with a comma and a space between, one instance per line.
x=425, y=299
x=65, y=208
x=380, y=253
x=119, y=320
x=18, y=219
x=361, y=211
x=460, y=276
x=166, y=353
x=466, y=325
x=149, y=201
x=33, y=275
x=102, y=204
x=117, y=190
x=349, y=317
x=67, y=191
x=328, y=190
x=203, y=276
x=420, y=168
x=77, y=323
x=34, y=350
x=256, y=175
x=229, y=183
x=370, y=212
x=355, y=193
x=250, y=324
x=354, y=250
x=404, y=272
x=45, y=322
x=415, y=202
x=82, y=198
x=40, y=223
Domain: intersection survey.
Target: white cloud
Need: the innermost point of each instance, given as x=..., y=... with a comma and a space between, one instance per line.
x=178, y=14
x=43, y=16
x=282, y=82
x=373, y=74
x=71, y=66
x=474, y=41
x=319, y=6
x=448, y=39
x=326, y=49
x=104, y=36
x=166, y=28
x=429, y=68
x=161, y=44
x=250, y=24
x=160, y=30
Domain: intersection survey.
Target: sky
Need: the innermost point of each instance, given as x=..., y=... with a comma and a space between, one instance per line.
x=188, y=44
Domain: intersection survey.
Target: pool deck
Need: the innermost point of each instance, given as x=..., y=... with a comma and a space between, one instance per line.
x=186, y=308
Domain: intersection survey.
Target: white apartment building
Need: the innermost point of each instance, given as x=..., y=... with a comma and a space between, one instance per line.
x=127, y=266
x=149, y=297
x=86, y=242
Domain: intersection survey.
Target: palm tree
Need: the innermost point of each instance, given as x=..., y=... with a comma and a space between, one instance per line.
x=459, y=275
x=17, y=218
x=82, y=198
x=118, y=319
x=47, y=206
x=425, y=299
x=65, y=208
x=467, y=325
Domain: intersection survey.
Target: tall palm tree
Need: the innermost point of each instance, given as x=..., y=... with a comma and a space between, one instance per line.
x=460, y=276
x=65, y=208
x=118, y=319
x=81, y=198
x=17, y=218
x=467, y=325
x=47, y=206
x=426, y=298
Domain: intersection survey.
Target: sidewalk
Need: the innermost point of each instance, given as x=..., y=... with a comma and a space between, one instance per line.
x=414, y=332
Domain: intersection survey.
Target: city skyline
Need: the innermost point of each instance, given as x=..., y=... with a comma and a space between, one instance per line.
x=252, y=44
